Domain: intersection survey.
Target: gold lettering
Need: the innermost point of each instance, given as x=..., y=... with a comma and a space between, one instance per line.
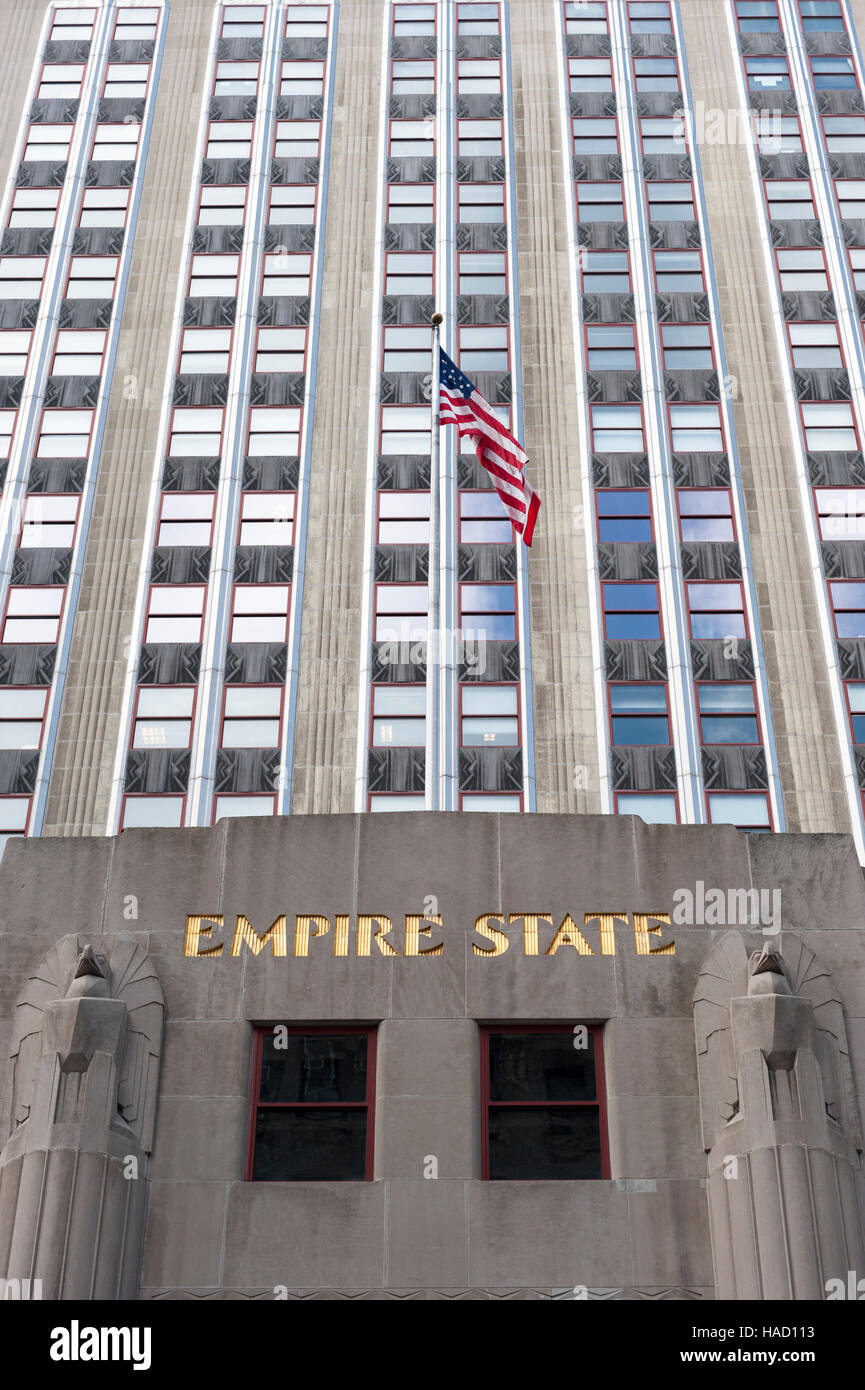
x=642, y=932
x=414, y=930
x=301, y=931
x=340, y=934
x=195, y=930
x=483, y=928
x=364, y=933
x=608, y=935
x=569, y=934
x=274, y=936
x=530, y=928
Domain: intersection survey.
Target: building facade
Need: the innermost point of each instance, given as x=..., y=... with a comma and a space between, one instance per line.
x=224, y=529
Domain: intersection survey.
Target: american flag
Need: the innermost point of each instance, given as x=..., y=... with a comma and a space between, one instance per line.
x=501, y=455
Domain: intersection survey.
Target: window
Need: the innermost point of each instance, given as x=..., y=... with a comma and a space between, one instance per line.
x=631, y=611
x=590, y=74
x=656, y=74
x=251, y=716
x=638, y=715
x=488, y=612
x=414, y=21
x=482, y=272
x=777, y=134
x=163, y=716
x=479, y=137
x=416, y=76
x=617, y=429
x=489, y=716
x=671, y=202
x=481, y=202
x=213, y=277
x=815, y=345
x=136, y=24
x=856, y=703
x=313, y=1095
x=717, y=610
x=411, y=202
x=21, y=714
x=483, y=350
x=663, y=135
x=235, y=79
x=60, y=80
x=840, y=512
x=497, y=802
x=115, y=142
x=829, y=426
x=802, y=270
x=857, y=265
x=33, y=614
x=104, y=207
x=49, y=521
x=649, y=18
x=604, y=272
x=223, y=206
x=243, y=22
x=71, y=24
x=821, y=14
x=297, y=139
x=595, y=135
x=260, y=613
x=483, y=519
x=405, y=429
x=728, y=713
x=705, y=514
x=292, y=205
x=174, y=613
x=14, y=813
x=767, y=75
x=412, y=138
x=834, y=74
x=64, y=434
x=745, y=810
x=34, y=207
x=401, y=612
x=687, y=347
x=477, y=19
x=478, y=75
x=186, y=518
x=678, y=272
x=245, y=804
x=286, y=274
x=408, y=349
x=152, y=811
x=758, y=16
x=623, y=515
x=851, y=197
x=398, y=716
x=195, y=433
x=229, y=140
x=655, y=808
x=14, y=351
x=7, y=424
x=204, y=351
x=302, y=79
x=280, y=350
x=844, y=134
x=409, y=273
x=600, y=202
x=542, y=1103
x=21, y=277
x=126, y=80
x=267, y=518
x=611, y=347
x=49, y=143
x=274, y=430
x=306, y=21
x=696, y=429
x=91, y=277
x=403, y=517
x=848, y=605
x=585, y=17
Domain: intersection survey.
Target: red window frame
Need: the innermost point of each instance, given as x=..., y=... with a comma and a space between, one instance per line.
x=820, y=516
x=131, y=9
x=672, y=405
x=148, y=614
x=484, y=685
x=574, y=137
x=391, y=186
x=102, y=188
x=627, y=584
x=60, y=63
x=391, y=796
x=460, y=272
x=29, y=331
x=266, y=492
x=691, y=251
x=818, y=323
x=722, y=491
x=222, y=327
x=270, y=204
x=288, y=25
x=227, y=687
x=581, y=184
x=468, y=4
x=388, y=272
x=128, y=159
x=369, y=1031
x=584, y=270
x=715, y=583
x=854, y=425
x=76, y=258
x=766, y=184
x=249, y=430
x=473, y=183
x=787, y=116
x=599, y=1104
x=487, y=58
x=376, y=613
x=740, y=791
x=171, y=430
x=490, y=120
x=53, y=410
x=678, y=323
x=677, y=120
x=58, y=38
x=643, y=791
x=471, y=492
x=842, y=57
x=23, y=719
x=177, y=685
x=490, y=612
x=222, y=122
x=38, y=641
x=821, y=250
x=389, y=685
x=605, y=323
x=209, y=188
x=127, y=62
x=421, y=120
x=150, y=796
x=631, y=17
x=223, y=21
x=18, y=796
x=665, y=685
x=193, y=492
x=399, y=406
x=574, y=18
x=35, y=189
x=639, y=57
x=649, y=184
x=748, y=31
x=391, y=75
x=832, y=585
x=242, y=796
x=282, y=77
x=294, y=328
x=460, y=349
x=598, y=493
x=593, y=427
x=850, y=713
x=829, y=135
x=292, y=120
x=510, y=796
x=74, y=523
x=398, y=492
x=245, y=584
x=395, y=19
x=591, y=57
x=195, y=256
x=36, y=125
x=266, y=273
x=752, y=743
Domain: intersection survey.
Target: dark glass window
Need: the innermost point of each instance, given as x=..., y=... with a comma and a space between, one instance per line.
x=728, y=713
x=543, y=1102
x=638, y=714
x=312, y=1105
x=623, y=516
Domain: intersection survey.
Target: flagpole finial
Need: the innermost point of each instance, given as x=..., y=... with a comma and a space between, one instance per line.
x=437, y=319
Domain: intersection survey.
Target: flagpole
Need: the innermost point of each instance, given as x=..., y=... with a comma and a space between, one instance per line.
x=433, y=664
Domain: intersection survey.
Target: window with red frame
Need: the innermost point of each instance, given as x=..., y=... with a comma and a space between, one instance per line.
x=297, y=139
x=312, y=1105
x=477, y=75
x=49, y=520
x=411, y=202
x=841, y=513
x=480, y=202
x=717, y=610
x=815, y=345
x=765, y=74
x=821, y=15
x=586, y=17
x=705, y=514
x=624, y=515
x=488, y=612
x=590, y=74
x=543, y=1103
x=186, y=518
x=777, y=134
x=14, y=351
x=267, y=518
x=663, y=135
x=656, y=74
x=631, y=611
x=104, y=207
x=126, y=80
x=728, y=712
x=758, y=17
x=414, y=21
x=851, y=198
x=678, y=272
x=611, y=347
x=242, y=22
x=163, y=716
x=133, y=23
x=789, y=200
x=834, y=73
x=412, y=138
x=251, y=716
x=687, y=347
x=600, y=202
x=844, y=134
x=222, y=206
x=401, y=613
x=848, y=606
x=489, y=716
x=409, y=272
x=175, y=612
x=638, y=714
x=302, y=79
x=595, y=135
x=292, y=205
x=479, y=138
x=829, y=427
x=482, y=272
x=483, y=520
x=617, y=429
x=414, y=76
x=800, y=270
x=604, y=272
x=22, y=711
x=649, y=17
x=306, y=21
x=33, y=614
x=747, y=811
x=857, y=266
x=403, y=517
x=856, y=705
x=398, y=716
x=260, y=613
x=34, y=207
x=475, y=18
x=60, y=81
